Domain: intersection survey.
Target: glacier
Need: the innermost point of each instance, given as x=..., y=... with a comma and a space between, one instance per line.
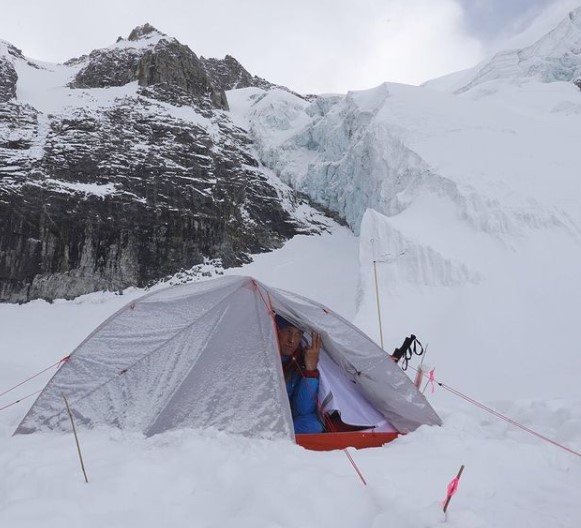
x=467, y=201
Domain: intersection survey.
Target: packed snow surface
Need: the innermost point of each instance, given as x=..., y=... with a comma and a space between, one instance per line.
x=210, y=479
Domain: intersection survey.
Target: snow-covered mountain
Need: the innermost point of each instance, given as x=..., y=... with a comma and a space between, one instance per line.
x=468, y=200
x=121, y=167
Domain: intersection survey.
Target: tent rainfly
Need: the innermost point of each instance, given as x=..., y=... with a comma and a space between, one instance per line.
x=205, y=355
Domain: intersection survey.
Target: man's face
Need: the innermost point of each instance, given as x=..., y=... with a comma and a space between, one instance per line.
x=289, y=339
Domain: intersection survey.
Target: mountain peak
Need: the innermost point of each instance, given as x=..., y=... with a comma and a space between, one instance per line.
x=143, y=31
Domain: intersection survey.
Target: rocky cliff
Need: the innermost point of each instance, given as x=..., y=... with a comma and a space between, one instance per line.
x=122, y=167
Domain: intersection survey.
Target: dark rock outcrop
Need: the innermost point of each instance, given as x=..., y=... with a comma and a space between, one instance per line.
x=8, y=78
x=128, y=196
x=155, y=59
x=142, y=31
x=106, y=69
x=229, y=74
x=128, y=191
x=173, y=64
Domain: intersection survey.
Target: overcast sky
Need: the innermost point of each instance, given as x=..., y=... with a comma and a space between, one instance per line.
x=312, y=46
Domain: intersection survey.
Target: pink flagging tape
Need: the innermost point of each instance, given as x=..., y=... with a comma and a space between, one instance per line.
x=431, y=380
x=452, y=489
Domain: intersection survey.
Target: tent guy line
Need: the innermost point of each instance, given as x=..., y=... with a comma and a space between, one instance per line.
x=21, y=399
x=501, y=416
x=59, y=362
x=507, y=419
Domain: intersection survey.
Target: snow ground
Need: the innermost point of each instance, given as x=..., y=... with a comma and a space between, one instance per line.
x=210, y=479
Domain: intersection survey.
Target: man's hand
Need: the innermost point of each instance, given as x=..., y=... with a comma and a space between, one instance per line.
x=312, y=352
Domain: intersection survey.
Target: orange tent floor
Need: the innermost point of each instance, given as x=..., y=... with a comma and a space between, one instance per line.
x=356, y=439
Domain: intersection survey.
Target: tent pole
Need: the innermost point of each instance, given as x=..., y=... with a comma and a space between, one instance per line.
x=420, y=371
x=76, y=438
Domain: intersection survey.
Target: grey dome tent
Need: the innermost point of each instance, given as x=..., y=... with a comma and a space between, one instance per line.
x=205, y=355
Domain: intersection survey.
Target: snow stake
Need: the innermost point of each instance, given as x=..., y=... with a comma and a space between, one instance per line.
x=452, y=488
x=355, y=466
x=76, y=438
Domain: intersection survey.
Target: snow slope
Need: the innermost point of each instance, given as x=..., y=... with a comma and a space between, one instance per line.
x=209, y=479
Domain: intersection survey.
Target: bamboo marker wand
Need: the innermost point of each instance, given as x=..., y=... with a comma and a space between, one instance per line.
x=378, y=304
x=453, y=487
x=76, y=438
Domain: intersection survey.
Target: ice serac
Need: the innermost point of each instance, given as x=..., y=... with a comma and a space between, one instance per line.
x=556, y=56
x=335, y=149
x=408, y=260
x=380, y=148
x=121, y=167
x=368, y=150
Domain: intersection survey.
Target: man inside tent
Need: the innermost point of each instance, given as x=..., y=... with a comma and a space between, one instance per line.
x=301, y=375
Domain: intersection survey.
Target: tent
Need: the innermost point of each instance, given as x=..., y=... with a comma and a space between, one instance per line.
x=205, y=355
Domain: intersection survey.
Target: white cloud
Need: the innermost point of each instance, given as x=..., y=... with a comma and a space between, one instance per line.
x=310, y=46
x=328, y=46
x=416, y=40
